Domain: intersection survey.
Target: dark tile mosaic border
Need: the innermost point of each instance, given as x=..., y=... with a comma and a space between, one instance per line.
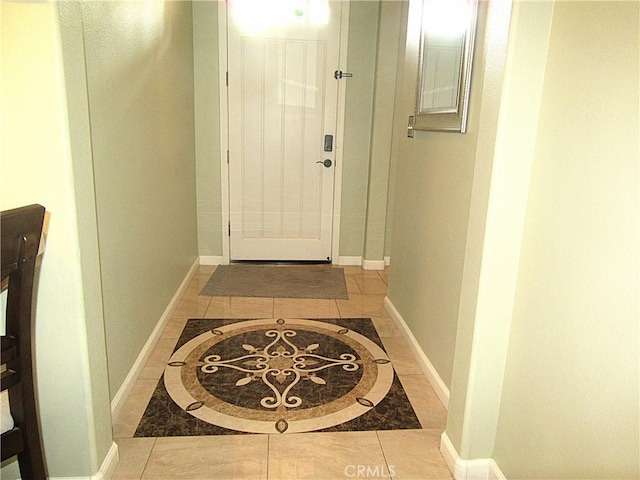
x=164, y=418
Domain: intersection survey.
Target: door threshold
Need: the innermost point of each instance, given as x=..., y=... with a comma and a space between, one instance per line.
x=282, y=262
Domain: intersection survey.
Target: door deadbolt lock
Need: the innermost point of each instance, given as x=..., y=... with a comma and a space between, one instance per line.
x=327, y=163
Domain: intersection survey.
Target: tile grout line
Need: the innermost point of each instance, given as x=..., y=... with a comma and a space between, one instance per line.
x=208, y=305
x=207, y=309
x=386, y=462
x=268, y=454
x=155, y=439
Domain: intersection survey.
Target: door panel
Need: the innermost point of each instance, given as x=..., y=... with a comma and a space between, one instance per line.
x=282, y=99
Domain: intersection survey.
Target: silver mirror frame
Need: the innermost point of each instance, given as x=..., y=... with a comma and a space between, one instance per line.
x=450, y=121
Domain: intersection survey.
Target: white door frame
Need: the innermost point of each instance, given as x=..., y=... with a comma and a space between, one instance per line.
x=224, y=131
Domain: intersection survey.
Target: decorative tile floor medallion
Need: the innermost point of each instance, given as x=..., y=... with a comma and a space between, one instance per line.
x=277, y=376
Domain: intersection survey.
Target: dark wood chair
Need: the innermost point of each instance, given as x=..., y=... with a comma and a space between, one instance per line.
x=20, y=231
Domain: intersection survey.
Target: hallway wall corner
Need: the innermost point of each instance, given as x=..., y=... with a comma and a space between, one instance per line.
x=429, y=370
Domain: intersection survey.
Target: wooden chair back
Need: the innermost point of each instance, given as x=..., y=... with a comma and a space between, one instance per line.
x=20, y=231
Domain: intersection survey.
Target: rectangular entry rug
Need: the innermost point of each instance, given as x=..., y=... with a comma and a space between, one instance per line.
x=277, y=281
x=277, y=376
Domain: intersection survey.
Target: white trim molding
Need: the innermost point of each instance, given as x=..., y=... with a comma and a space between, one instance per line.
x=373, y=264
x=478, y=469
x=212, y=260
x=224, y=129
x=339, y=133
x=359, y=261
x=427, y=367
x=494, y=471
x=109, y=464
x=463, y=469
x=125, y=389
x=106, y=469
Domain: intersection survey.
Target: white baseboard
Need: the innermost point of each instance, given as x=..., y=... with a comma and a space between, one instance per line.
x=211, y=260
x=365, y=264
x=494, y=471
x=106, y=470
x=373, y=264
x=348, y=261
x=478, y=469
x=109, y=464
x=427, y=367
x=123, y=392
x=463, y=469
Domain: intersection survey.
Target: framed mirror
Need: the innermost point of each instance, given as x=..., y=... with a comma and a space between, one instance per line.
x=444, y=67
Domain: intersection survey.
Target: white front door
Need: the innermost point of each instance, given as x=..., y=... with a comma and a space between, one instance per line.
x=282, y=99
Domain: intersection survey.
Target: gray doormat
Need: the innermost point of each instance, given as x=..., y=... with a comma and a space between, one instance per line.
x=277, y=281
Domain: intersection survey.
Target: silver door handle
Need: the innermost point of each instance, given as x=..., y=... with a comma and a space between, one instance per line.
x=327, y=163
x=338, y=74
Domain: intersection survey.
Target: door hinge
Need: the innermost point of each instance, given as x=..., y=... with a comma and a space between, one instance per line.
x=227, y=78
x=227, y=157
x=229, y=226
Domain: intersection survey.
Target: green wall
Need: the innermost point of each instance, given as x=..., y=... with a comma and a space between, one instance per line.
x=515, y=55
x=44, y=162
x=515, y=246
x=207, y=124
x=108, y=87
x=361, y=61
x=570, y=401
x=139, y=77
x=434, y=177
x=383, y=147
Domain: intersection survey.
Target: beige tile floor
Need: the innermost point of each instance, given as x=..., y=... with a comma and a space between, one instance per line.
x=399, y=454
